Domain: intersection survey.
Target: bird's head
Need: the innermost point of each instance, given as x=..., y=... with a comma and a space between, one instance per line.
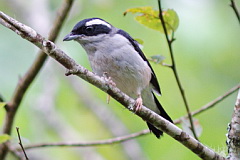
x=89, y=30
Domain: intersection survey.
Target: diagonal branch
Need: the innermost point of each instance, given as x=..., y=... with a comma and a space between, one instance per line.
x=52, y=50
x=133, y=135
x=211, y=104
x=234, y=7
x=31, y=74
x=21, y=145
x=173, y=67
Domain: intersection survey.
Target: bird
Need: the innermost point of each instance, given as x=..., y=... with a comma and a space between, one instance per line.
x=113, y=52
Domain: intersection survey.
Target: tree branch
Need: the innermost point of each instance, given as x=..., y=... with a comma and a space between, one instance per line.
x=233, y=135
x=30, y=75
x=234, y=7
x=87, y=144
x=73, y=68
x=174, y=69
x=20, y=143
x=210, y=104
x=134, y=135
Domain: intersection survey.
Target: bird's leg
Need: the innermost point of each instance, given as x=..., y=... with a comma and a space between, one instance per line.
x=138, y=103
x=107, y=78
x=108, y=98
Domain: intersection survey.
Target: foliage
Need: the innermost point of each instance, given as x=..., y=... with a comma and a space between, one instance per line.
x=150, y=18
x=158, y=59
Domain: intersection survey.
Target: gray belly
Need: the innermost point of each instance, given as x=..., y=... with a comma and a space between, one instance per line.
x=130, y=77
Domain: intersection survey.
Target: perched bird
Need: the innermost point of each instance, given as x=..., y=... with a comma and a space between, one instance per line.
x=113, y=51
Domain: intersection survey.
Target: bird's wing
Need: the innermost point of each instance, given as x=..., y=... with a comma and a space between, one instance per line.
x=135, y=44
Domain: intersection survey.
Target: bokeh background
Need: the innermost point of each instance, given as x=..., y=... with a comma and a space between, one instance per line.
x=57, y=108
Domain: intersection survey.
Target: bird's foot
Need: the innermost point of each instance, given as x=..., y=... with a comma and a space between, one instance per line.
x=108, y=79
x=138, y=104
x=108, y=98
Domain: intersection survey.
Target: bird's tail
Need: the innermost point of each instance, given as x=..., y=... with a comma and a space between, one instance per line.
x=163, y=113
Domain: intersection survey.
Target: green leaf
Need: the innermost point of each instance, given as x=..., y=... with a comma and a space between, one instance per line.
x=2, y=104
x=140, y=41
x=150, y=22
x=4, y=138
x=157, y=59
x=171, y=19
x=150, y=18
x=145, y=10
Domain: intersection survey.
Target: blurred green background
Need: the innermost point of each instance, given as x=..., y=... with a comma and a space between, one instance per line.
x=57, y=108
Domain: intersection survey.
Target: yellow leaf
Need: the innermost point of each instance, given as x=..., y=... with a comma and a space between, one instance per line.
x=150, y=18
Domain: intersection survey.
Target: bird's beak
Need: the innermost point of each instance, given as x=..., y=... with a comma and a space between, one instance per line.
x=70, y=37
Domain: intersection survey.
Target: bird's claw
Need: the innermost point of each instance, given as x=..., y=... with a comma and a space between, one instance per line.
x=108, y=79
x=138, y=104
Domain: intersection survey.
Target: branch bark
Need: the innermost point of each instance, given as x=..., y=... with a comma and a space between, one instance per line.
x=233, y=136
x=73, y=68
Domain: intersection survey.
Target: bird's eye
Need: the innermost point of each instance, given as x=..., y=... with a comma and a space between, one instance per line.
x=89, y=29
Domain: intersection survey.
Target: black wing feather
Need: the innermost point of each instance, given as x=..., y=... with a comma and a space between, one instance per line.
x=153, y=80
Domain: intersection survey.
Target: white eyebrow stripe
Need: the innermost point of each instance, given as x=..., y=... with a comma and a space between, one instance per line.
x=97, y=21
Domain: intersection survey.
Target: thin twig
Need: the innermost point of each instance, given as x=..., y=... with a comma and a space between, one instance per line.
x=87, y=144
x=73, y=68
x=20, y=143
x=210, y=104
x=31, y=74
x=234, y=7
x=170, y=41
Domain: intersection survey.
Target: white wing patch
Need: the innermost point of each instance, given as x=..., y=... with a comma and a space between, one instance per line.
x=97, y=21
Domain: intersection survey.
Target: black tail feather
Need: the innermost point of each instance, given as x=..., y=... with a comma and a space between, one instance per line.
x=164, y=114
x=154, y=130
